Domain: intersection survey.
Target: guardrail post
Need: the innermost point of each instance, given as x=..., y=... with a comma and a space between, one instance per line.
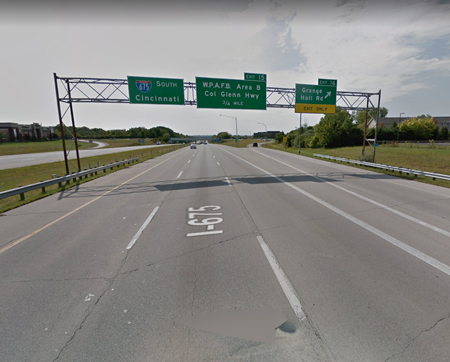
x=22, y=196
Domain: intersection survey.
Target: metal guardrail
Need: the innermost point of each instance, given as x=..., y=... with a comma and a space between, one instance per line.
x=59, y=180
x=400, y=170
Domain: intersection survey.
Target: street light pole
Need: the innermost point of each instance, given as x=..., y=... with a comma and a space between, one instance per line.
x=399, y=122
x=235, y=118
x=266, y=130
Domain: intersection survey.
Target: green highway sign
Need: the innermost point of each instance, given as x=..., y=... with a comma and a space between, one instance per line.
x=230, y=93
x=255, y=76
x=311, y=98
x=156, y=90
x=331, y=82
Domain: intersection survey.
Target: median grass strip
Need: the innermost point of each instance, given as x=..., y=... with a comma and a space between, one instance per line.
x=16, y=148
x=242, y=143
x=15, y=177
x=424, y=159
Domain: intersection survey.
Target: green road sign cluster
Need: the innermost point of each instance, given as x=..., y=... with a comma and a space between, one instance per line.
x=230, y=93
x=311, y=98
x=156, y=90
x=220, y=93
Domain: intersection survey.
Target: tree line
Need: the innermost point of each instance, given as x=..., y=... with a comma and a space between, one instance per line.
x=159, y=132
x=343, y=129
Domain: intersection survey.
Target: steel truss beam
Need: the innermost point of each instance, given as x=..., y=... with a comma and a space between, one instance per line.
x=71, y=90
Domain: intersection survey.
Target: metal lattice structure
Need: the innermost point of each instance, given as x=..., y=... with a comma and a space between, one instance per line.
x=71, y=90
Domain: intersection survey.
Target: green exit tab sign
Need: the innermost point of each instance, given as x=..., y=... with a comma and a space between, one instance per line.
x=329, y=82
x=255, y=76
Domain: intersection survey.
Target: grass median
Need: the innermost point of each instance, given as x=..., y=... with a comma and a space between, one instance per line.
x=15, y=177
x=18, y=148
x=424, y=159
x=242, y=143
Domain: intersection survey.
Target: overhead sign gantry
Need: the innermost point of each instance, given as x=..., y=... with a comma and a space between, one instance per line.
x=250, y=93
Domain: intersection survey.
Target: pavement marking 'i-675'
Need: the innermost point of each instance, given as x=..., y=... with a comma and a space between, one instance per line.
x=195, y=218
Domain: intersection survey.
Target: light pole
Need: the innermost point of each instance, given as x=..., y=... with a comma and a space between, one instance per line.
x=217, y=133
x=235, y=118
x=399, y=122
x=266, y=130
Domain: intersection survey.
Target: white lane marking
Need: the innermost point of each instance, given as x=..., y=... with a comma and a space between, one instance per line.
x=179, y=174
x=205, y=233
x=228, y=180
x=414, y=252
x=218, y=163
x=23, y=238
x=340, y=167
x=144, y=225
x=385, y=207
x=189, y=161
x=285, y=284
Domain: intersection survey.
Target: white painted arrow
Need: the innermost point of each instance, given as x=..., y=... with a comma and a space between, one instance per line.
x=328, y=95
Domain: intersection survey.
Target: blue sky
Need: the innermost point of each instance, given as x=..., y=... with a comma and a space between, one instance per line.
x=400, y=47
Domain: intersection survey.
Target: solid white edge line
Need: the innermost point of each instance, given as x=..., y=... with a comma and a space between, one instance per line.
x=412, y=251
x=285, y=284
x=385, y=207
x=142, y=228
x=179, y=175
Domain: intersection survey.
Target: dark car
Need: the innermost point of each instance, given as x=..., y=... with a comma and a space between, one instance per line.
x=255, y=144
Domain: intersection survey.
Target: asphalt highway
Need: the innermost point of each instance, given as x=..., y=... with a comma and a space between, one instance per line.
x=357, y=264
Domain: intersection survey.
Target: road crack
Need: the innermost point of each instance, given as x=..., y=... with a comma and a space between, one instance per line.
x=417, y=337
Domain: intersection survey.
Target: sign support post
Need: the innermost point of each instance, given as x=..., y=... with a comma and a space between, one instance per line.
x=300, y=135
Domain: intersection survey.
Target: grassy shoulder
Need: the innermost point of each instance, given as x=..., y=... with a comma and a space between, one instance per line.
x=16, y=148
x=15, y=177
x=424, y=159
x=242, y=143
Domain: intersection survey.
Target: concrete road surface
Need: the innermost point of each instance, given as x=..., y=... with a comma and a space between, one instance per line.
x=356, y=262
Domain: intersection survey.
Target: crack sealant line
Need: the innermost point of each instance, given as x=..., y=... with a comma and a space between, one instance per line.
x=412, y=251
x=385, y=207
x=18, y=241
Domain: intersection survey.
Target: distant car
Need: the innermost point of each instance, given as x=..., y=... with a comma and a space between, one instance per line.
x=255, y=144
x=193, y=146
x=158, y=143
x=205, y=142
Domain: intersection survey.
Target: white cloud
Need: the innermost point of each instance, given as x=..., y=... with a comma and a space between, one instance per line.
x=366, y=44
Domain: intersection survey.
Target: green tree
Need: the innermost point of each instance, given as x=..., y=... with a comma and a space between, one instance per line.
x=337, y=130
x=224, y=135
x=443, y=133
x=360, y=116
x=166, y=137
x=418, y=128
x=279, y=137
